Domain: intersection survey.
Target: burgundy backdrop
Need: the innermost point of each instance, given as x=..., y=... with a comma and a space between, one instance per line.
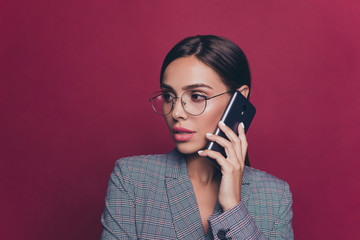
x=76, y=77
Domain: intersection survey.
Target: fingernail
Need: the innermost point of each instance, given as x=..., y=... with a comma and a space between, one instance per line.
x=242, y=125
x=222, y=123
x=200, y=151
x=209, y=134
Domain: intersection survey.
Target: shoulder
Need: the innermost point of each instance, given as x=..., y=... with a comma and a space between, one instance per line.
x=264, y=182
x=259, y=176
x=141, y=161
x=142, y=167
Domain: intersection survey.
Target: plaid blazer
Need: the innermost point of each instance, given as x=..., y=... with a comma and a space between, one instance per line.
x=151, y=197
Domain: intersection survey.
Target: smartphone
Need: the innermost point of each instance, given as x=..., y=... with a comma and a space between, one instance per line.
x=238, y=110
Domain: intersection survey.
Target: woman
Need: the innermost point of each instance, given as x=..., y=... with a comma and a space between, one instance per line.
x=182, y=195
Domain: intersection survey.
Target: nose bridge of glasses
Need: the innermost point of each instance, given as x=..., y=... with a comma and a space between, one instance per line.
x=175, y=101
x=176, y=109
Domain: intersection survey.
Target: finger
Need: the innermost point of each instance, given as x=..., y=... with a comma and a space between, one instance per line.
x=224, y=164
x=242, y=137
x=227, y=145
x=230, y=134
x=233, y=138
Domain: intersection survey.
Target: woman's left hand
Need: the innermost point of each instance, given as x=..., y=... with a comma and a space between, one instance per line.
x=232, y=167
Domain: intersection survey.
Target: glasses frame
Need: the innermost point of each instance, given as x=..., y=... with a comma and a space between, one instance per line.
x=183, y=102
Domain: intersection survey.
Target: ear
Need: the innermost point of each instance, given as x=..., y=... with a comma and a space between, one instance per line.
x=244, y=89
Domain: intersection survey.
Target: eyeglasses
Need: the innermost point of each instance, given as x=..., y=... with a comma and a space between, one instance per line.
x=193, y=102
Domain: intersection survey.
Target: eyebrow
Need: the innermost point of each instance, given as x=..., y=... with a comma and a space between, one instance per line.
x=188, y=87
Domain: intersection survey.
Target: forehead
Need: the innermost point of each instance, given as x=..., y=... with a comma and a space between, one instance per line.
x=187, y=71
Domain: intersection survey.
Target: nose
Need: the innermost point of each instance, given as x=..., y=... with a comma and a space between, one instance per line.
x=178, y=111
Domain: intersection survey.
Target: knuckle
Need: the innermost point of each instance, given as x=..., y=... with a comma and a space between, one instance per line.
x=229, y=143
x=206, y=151
x=213, y=154
x=218, y=154
x=226, y=144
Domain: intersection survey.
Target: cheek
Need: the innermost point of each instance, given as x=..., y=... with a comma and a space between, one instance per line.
x=167, y=120
x=211, y=118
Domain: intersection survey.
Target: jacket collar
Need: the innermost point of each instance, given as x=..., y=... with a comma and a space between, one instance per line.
x=177, y=166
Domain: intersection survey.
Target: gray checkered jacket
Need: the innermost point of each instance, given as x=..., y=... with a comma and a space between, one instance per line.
x=151, y=197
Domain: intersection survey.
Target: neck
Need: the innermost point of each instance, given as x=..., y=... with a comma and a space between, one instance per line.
x=201, y=169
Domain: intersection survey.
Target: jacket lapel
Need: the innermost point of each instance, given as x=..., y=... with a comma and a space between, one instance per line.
x=182, y=200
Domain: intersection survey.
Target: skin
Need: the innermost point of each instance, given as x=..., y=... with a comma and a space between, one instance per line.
x=209, y=184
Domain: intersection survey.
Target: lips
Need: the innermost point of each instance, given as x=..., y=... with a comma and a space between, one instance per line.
x=182, y=134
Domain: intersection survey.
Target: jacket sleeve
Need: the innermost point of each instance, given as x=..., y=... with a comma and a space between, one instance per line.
x=118, y=218
x=237, y=223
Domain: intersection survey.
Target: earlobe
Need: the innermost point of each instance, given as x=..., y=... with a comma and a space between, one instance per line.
x=244, y=89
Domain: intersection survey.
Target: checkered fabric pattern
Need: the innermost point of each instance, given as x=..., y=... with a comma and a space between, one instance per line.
x=151, y=197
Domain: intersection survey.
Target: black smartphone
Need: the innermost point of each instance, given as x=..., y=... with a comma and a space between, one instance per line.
x=238, y=110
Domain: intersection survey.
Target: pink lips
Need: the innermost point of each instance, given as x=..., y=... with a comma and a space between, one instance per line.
x=182, y=134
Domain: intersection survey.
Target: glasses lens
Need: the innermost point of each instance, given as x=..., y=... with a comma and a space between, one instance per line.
x=194, y=102
x=162, y=102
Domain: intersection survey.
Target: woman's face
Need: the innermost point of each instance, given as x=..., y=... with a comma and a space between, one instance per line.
x=188, y=131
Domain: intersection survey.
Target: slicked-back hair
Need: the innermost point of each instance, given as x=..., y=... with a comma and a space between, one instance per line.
x=220, y=54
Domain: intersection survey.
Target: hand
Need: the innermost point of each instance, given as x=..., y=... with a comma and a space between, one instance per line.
x=232, y=167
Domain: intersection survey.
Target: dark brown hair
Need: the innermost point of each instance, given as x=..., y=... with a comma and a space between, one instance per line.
x=220, y=54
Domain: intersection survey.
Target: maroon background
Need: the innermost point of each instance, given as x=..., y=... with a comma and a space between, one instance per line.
x=76, y=77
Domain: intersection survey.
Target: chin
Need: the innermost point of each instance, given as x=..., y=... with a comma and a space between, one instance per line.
x=186, y=151
x=188, y=148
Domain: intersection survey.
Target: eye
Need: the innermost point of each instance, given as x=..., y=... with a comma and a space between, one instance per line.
x=197, y=97
x=168, y=98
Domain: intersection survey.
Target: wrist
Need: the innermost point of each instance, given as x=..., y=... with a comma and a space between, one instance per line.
x=229, y=204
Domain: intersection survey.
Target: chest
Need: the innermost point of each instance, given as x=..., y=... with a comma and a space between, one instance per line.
x=206, y=198
x=173, y=211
